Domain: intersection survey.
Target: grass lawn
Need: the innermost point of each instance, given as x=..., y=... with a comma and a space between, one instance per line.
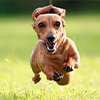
x=17, y=39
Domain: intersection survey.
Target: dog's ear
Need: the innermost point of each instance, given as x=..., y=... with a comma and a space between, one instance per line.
x=48, y=10
x=43, y=10
x=61, y=12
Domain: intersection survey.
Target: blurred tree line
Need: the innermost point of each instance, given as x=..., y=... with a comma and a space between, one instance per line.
x=27, y=6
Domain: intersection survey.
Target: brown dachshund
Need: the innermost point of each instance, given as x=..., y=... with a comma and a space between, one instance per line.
x=55, y=54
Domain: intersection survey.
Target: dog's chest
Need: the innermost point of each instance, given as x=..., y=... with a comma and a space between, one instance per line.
x=55, y=61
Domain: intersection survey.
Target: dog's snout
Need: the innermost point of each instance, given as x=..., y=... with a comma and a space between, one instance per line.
x=50, y=37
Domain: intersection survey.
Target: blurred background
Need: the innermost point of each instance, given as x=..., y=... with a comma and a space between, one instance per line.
x=27, y=6
x=82, y=18
x=17, y=40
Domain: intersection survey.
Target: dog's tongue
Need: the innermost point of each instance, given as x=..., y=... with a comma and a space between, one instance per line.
x=40, y=40
x=50, y=45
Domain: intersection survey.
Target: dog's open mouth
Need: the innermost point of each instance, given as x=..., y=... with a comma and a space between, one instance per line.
x=51, y=47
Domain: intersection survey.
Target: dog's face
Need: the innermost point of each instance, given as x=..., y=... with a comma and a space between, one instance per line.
x=49, y=29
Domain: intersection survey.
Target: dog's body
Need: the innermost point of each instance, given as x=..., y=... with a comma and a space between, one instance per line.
x=55, y=54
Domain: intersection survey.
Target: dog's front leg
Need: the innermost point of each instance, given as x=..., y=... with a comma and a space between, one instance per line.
x=71, y=63
x=53, y=74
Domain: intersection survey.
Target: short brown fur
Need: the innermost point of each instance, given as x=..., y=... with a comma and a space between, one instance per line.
x=65, y=54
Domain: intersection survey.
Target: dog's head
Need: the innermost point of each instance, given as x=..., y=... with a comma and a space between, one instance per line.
x=49, y=25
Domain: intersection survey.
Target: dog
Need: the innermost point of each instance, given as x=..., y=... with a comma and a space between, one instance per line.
x=55, y=54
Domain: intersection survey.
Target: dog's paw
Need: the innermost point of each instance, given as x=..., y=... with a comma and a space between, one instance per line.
x=36, y=78
x=58, y=76
x=68, y=68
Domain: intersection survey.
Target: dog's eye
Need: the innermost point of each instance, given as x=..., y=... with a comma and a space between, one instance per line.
x=57, y=24
x=40, y=25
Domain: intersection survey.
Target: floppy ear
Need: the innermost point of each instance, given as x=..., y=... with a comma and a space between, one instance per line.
x=43, y=10
x=47, y=10
x=61, y=12
x=35, y=14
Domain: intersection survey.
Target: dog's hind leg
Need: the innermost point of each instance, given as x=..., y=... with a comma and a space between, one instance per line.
x=36, y=78
x=33, y=62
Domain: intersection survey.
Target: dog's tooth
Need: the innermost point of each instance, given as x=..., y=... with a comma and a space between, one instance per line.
x=53, y=44
x=47, y=45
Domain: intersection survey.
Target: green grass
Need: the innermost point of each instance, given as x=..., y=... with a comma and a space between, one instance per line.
x=17, y=39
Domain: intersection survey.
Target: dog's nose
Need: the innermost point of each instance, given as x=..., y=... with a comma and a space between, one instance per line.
x=50, y=37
